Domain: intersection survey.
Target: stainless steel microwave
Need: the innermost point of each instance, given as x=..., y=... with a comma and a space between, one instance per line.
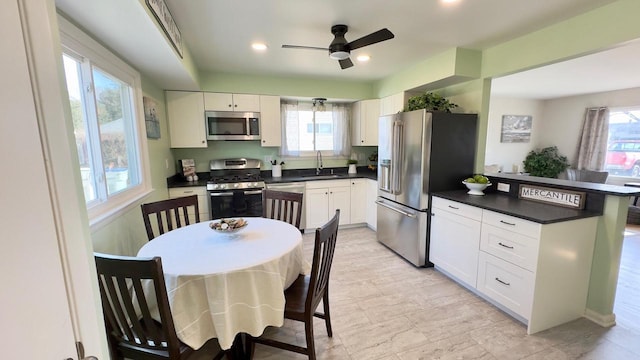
x=232, y=125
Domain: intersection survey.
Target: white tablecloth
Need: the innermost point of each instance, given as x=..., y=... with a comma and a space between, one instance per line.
x=222, y=284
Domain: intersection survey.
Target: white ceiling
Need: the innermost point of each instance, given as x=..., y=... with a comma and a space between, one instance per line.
x=218, y=35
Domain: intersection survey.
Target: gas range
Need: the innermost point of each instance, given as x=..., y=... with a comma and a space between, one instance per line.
x=234, y=174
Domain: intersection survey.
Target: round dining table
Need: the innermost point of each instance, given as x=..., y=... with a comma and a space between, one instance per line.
x=222, y=284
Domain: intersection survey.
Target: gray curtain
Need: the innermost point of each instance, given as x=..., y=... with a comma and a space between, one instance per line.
x=341, y=133
x=290, y=125
x=592, y=148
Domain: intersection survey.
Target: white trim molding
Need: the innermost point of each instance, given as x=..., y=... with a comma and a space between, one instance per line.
x=607, y=320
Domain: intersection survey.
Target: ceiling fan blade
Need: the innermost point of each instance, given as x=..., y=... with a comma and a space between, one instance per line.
x=345, y=64
x=303, y=47
x=376, y=37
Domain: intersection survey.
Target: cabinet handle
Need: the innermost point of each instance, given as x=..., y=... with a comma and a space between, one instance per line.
x=264, y=141
x=453, y=207
x=507, y=246
x=229, y=105
x=502, y=282
x=188, y=192
x=235, y=105
x=507, y=223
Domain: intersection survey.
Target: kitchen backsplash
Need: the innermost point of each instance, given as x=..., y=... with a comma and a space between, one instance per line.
x=252, y=149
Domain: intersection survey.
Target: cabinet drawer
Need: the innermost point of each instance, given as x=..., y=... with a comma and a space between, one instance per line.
x=510, y=246
x=471, y=212
x=511, y=223
x=505, y=283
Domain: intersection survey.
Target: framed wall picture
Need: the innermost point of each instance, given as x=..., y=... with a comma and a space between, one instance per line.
x=516, y=128
x=151, y=121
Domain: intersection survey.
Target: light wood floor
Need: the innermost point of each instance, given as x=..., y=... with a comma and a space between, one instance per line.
x=384, y=308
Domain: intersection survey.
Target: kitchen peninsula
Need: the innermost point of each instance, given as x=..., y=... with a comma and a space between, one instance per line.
x=563, y=261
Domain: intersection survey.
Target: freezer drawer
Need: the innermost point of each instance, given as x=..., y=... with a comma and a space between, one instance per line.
x=403, y=230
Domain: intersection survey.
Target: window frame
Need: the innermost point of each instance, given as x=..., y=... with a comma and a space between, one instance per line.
x=76, y=43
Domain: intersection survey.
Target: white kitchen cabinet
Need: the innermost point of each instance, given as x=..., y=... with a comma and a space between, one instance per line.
x=372, y=210
x=392, y=104
x=322, y=200
x=364, y=124
x=231, y=102
x=455, y=239
x=203, y=199
x=185, y=112
x=270, y=121
x=358, y=201
x=538, y=273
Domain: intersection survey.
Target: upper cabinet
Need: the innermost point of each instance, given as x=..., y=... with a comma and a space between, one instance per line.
x=364, y=124
x=392, y=104
x=270, y=123
x=185, y=112
x=231, y=102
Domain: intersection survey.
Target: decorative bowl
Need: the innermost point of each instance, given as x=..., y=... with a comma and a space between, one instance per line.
x=475, y=188
x=228, y=225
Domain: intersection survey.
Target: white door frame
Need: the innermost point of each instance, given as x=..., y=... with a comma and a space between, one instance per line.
x=50, y=298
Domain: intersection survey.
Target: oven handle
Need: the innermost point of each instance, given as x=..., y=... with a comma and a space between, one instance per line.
x=251, y=192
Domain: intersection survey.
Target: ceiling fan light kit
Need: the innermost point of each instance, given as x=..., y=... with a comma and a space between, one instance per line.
x=340, y=49
x=318, y=104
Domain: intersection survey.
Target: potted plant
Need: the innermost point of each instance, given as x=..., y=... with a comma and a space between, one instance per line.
x=431, y=102
x=545, y=162
x=352, y=165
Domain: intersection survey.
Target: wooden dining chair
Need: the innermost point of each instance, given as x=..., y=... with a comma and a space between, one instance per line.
x=283, y=206
x=169, y=214
x=129, y=288
x=304, y=295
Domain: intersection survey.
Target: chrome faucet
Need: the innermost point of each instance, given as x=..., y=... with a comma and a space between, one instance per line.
x=318, y=162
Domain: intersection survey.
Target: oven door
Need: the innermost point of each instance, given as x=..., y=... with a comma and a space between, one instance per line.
x=236, y=203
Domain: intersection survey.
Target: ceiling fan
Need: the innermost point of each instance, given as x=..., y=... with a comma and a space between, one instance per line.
x=340, y=48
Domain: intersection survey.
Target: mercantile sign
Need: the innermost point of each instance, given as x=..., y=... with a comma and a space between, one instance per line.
x=559, y=197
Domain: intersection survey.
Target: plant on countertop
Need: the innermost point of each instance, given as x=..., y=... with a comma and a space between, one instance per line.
x=275, y=162
x=431, y=102
x=352, y=161
x=545, y=162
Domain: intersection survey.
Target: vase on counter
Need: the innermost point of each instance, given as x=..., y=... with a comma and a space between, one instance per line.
x=276, y=170
x=352, y=169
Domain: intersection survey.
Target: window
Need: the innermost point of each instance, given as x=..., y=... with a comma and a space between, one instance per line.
x=623, y=145
x=104, y=97
x=306, y=131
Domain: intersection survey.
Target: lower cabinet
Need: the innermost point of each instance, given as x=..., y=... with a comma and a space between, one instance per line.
x=358, y=200
x=203, y=198
x=371, y=207
x=322, y=200
x=455, y=239
x=538, y=273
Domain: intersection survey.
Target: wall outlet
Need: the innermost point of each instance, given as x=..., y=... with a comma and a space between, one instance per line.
x=503, y=187
x=166, y=164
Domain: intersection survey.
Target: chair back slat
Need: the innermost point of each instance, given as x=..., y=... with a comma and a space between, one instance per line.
x=134, y=296
x=282, y=205
x=170, y=214
x=324, y=249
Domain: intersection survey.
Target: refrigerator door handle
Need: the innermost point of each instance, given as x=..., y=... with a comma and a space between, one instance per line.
x=398, y=154
x=395, y=209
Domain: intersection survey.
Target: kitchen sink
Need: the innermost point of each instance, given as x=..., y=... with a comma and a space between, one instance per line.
x=323, y=176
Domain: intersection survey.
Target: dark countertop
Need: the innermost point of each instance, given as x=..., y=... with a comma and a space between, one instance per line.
x=326, y=174
x=570, y=185
x=524, y=209
x=295, y=175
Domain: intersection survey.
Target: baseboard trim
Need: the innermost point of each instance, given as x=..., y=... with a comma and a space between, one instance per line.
x=607, y=320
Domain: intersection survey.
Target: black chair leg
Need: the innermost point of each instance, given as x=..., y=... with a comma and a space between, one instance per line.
x=327, y=315
x=308, y=330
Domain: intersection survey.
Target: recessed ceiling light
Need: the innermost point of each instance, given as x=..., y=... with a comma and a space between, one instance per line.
x=363, y=58
x=259, y=46
x=449, y=1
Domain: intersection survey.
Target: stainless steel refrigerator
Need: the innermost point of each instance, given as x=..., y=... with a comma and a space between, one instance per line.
x=419, y=153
